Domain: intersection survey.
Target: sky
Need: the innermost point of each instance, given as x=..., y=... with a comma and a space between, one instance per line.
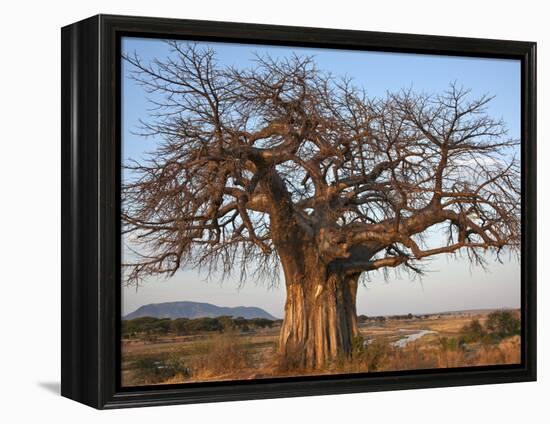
x=451, y=283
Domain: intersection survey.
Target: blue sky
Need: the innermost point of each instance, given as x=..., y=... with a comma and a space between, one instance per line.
x=451, y=284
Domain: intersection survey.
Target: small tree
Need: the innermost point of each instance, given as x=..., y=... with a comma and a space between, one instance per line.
x=362, y=319
x=283, y=164
x=179, y=326
x=227, y=323
x=502, y=324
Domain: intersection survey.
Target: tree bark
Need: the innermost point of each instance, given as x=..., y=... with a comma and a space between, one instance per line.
x=320, y=315
x=320, y=318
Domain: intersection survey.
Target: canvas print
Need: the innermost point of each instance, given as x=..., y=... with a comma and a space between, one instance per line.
x=293, y=211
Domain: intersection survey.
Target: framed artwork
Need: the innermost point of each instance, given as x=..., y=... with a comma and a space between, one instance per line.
x=255, y=211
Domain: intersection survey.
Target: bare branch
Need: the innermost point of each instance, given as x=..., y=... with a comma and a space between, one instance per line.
x=280, y=160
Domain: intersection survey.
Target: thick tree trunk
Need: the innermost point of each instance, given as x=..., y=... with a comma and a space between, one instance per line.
x=320, y=318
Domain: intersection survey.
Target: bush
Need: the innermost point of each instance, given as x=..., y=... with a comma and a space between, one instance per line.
x=362, y=319
x=473, y=332
x=260, y=323
x=357, y=347
x=180, y=326
x=377, y=353
x=150, y=370
x=145, y=325
x=502, y=324
x=204, y=324
x=498, y=326
x=450, y=344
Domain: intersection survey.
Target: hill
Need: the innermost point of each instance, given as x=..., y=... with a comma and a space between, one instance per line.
x=187, y=309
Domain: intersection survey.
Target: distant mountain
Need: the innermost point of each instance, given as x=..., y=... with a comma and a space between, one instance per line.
x=196, y=310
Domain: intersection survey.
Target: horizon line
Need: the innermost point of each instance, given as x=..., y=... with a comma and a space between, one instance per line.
x=358, y=314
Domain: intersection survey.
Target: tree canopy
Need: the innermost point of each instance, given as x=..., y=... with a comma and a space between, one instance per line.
x=247, y=156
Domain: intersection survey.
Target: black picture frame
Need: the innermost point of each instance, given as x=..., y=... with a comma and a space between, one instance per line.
x=90, y=138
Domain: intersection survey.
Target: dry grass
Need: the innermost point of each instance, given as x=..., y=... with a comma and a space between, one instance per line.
x=382, y=356
x=224, y=356
x=236, y=356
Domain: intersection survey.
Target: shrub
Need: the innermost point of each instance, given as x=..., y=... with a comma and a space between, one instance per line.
x=473, y=332
x=145, y=325
x=362, y=319
x=260, y=323
x=357, y=347
x=450, y=344
x=376, y=354
x=502, y=324
x=180, y=326
x=151, y=370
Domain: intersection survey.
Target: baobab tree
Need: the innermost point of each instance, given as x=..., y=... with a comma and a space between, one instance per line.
x=282, y=165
